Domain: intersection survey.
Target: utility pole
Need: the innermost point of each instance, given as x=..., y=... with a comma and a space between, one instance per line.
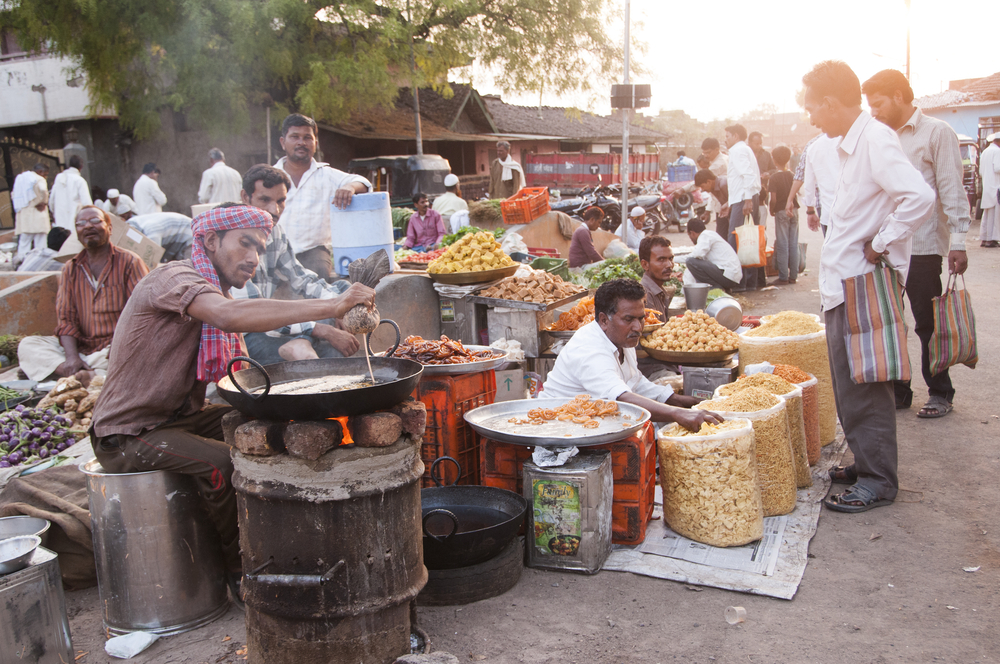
x=626, y=112
x=907, y=40
x=413, y=86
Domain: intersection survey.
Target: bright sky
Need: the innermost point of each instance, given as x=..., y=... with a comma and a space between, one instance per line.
x=756, y=53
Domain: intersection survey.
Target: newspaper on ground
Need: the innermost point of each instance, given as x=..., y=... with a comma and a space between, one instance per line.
x=748, y=568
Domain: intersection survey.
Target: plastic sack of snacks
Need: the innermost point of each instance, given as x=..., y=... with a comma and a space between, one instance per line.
x=810, y=406
x=775, y=464
x=711, y=492
x=778, y=343
x=791, y=393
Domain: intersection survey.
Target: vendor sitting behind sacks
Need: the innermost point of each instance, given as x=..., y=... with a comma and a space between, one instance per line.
x=600, y=361
x=713, y=260
x=425, y=230
x=93, y=289
x=582, y=252
x=177, y=334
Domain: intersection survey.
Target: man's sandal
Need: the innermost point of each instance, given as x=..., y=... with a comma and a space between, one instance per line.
x=935, y=407
x=844, y=474
x=856, y=499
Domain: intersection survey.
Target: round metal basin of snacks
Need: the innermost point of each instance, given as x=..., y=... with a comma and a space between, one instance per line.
x=687, y=357
x=498, y=359
x=511, y=422
x=469, y=278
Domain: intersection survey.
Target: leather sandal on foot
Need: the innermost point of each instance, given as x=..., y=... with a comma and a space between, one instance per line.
x=844, y=474
x=856, y=499
x=935, y=407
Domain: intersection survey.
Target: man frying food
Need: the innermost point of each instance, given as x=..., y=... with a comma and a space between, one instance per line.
x=600, y=361
x=178, y=333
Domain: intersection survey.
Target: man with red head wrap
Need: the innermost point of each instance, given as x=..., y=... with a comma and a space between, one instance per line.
x=178, y=333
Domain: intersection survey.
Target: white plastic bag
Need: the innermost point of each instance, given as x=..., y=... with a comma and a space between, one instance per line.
x=617, y=249
x=513, y=242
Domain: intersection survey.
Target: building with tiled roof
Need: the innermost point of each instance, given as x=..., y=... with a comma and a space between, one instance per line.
x=966, y=105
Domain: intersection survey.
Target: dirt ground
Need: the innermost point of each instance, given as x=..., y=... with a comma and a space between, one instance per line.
x=883, y=586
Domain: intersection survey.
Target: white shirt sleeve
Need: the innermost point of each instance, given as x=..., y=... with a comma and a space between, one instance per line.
x=701, y=248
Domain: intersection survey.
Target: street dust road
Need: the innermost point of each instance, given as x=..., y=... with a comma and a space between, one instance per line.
x=884, y=586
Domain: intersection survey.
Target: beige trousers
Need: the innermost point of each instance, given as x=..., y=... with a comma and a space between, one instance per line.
x=39, y=357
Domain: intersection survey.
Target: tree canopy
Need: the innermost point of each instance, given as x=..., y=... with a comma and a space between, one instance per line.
x=216, y=58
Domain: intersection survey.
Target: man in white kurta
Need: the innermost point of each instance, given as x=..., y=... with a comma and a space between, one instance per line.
x=70, y=192
x=30, y=197
x=219, y=183
x=989, y=171
x=149, y=199
x=119, y=204
x=600, y=361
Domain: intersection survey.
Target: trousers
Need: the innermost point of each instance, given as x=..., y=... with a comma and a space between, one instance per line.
x=709, y=273
x=786, y=245
x=867, y=411
x=923, y=284
x=192, y=446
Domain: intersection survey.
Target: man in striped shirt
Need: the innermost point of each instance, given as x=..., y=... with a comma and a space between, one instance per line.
x=93, y=289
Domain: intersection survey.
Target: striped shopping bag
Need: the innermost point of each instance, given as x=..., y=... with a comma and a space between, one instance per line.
x=954, y=338
x=876, y=328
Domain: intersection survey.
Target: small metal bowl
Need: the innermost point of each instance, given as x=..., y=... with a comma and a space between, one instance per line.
x=726, y=311
x=12, y=526
x=16, y=551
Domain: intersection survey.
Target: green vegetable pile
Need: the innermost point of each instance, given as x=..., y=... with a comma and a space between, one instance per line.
x=400, y=216
x=715, y=294
x=448, y=240
x=614, y=268
x=485, y=212
x=9, y=344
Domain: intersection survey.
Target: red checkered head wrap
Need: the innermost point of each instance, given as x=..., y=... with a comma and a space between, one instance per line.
x=217, y=347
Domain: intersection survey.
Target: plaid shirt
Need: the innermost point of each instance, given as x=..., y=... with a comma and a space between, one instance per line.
x=306, y=218
x=279, y=264
x=170, y=230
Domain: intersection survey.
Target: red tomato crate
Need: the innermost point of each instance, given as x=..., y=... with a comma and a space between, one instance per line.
x=542, y=252
x=447, y=399
x=633, y=465
x=525, y=206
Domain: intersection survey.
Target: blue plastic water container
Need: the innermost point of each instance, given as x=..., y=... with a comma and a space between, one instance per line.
x=361, y=229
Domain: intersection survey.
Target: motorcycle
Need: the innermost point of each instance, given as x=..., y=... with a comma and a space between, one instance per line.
x=599, y=196
x=649, y=199
x=678, y=206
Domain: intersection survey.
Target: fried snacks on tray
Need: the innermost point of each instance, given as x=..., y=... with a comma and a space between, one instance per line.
x=581, y=410
x=440, y=351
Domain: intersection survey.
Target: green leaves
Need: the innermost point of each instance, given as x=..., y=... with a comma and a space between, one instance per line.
x=215, y=58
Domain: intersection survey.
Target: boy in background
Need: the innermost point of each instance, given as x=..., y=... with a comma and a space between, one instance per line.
x=786, y=226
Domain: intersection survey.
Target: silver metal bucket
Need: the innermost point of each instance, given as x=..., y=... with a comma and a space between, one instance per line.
x=159, y=564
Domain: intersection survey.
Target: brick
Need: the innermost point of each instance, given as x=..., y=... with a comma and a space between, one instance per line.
x=230, y=422
x=376, y=429
x=414, y=416
x=311, y=440
x=260, y=438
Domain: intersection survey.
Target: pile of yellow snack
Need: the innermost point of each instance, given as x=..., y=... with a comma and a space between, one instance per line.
x=477, y=252
x=695, y=331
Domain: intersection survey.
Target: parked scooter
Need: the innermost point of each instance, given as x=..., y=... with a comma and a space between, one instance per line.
x=678, y=206
x=599, y=196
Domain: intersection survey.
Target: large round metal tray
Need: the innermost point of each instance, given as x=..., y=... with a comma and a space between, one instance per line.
x=491, y=422
x=469, y=278
x=562, y=334
x=467, y=367
x=684, y=357
x=652, y=328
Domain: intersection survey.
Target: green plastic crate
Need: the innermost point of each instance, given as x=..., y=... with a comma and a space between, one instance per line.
x=556, y=266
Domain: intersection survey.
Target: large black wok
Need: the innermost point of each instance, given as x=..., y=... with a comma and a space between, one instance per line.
x=467, y=525
x=396, y=379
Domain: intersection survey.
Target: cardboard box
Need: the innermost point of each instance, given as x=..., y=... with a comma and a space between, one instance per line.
x=511, y=385
x=123, y=236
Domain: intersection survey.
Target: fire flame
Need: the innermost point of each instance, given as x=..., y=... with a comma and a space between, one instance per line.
x=347, y=439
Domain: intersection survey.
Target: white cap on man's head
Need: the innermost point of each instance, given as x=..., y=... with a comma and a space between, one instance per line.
x=638, y=211
x=450, y=180
x=114, y=193
x=992, y=137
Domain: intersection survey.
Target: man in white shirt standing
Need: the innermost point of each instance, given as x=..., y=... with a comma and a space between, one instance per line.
x=306, y=219
x=932, y=147
x=119, y=204
x=219, y=182
x=146, y=191
x=30, y=199
x=600, y=361
x=712, y=261
x=821, y=174
x=70, y=192
x=989, y=171
x=881, y=200
x=743, y=178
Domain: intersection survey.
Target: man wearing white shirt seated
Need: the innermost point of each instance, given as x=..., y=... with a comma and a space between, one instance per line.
x=630, y=230
x=451, y=201
x=881, y=199
x=600, y=361
x=119, y=204
x=713, y=261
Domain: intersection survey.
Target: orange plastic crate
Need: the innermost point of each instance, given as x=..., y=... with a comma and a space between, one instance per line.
x=633, y=466
x=525, y=206
x=447, y=399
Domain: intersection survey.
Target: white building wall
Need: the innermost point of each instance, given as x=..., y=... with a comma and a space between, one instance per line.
x=60, y=102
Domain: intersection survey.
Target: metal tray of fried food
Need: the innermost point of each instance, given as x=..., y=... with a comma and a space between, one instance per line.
x=492, y=422
x=518, y=304
x=499, y=359
x=469, y=278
